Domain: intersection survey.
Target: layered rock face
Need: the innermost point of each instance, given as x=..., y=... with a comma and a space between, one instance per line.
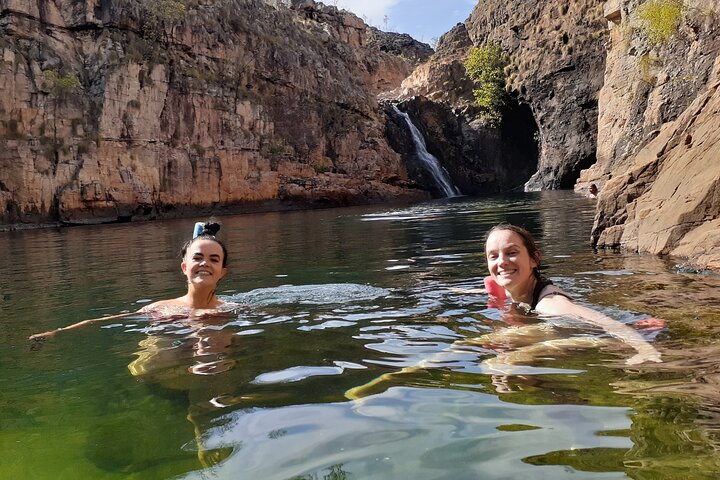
x=647, y=84
x=130, y=109
x=442, y=78
x=659, y=141
x=556, y=67
x=557, y=60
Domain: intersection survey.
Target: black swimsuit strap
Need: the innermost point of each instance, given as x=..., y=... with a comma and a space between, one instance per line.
x=541, y=283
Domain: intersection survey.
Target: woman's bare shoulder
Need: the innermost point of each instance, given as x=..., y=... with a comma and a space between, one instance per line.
x=554, y=301
x=163, y=305
x=178, y=307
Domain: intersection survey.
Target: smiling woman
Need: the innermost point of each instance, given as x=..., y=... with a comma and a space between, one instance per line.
x=513, y=259
x=204, y=264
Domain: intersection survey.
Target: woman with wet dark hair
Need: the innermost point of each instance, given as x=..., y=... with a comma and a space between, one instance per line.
x=519, y=275
x=592, y=191
x=513, y=259
x=204, y=264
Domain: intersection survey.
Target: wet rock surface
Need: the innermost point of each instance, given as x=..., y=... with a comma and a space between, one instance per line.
x=687, y=299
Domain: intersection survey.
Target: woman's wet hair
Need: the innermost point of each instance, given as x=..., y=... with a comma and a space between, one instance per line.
x=208, y=232
x=527, y=239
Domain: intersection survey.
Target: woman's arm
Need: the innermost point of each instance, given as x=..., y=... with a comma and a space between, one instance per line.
x=560, y=305
x=161, y=312
x=50, y=333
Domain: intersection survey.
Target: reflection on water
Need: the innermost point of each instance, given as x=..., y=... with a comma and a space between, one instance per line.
x=355, y=354
x=452, y=434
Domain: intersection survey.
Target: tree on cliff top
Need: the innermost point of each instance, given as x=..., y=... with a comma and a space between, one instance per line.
x=485, y=67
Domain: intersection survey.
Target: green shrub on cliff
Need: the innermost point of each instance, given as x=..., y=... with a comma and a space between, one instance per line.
x=660, y=19
x=169, y=10
x=61, y=85
x=485, y=66
x=159, y=14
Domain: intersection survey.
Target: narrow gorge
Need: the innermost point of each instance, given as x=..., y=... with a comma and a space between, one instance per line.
x=619, y=93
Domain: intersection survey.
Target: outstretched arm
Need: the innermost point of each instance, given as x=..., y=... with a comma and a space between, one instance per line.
x=50, y=333
x=560, y=305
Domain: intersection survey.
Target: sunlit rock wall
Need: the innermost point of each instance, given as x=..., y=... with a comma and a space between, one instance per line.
x=659, y=137
x=222, y=106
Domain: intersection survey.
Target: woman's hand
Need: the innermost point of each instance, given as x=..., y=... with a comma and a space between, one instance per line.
x=42, y=336
x=650, y=324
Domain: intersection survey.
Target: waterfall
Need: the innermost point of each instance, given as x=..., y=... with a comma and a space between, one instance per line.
x=430, y=162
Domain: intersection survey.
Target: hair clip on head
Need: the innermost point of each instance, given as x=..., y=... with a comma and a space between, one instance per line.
x=199, y=226
x=209, y=228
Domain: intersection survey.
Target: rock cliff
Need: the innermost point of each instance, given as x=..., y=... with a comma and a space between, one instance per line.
x=608, y=97
x=400, y=44
x=130, y=109
x=659, y=141
x=556, y=62
x=479, y=159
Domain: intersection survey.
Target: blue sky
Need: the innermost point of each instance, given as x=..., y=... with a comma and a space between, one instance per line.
x=423, y=19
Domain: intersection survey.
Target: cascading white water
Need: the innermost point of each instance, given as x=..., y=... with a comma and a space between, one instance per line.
x=431, y=163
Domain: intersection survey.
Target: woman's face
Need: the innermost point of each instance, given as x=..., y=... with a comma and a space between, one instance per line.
x=203, y=261
x=508, y=259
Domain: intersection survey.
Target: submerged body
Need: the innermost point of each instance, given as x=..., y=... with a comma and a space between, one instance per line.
x=513, y=260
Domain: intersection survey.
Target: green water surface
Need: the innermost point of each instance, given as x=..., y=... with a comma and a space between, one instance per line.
x=368, y=299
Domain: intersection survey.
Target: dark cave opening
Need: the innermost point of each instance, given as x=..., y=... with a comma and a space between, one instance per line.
x=519, y=145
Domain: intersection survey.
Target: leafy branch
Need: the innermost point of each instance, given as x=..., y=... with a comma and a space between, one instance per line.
x=485, y=66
